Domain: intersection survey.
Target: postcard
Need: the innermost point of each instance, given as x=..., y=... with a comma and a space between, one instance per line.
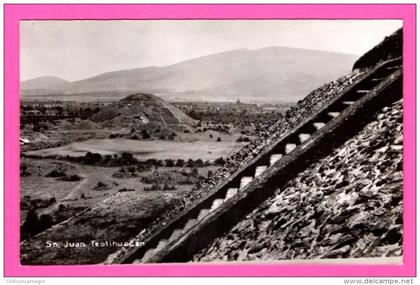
x=210, y=140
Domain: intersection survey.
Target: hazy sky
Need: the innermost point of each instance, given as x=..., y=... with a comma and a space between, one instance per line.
x=75, y=50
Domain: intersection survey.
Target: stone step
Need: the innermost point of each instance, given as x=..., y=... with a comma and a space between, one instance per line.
x=348, y=103
x=161, y=245
x=333, y=114
x=377, y=79
x=245, y=181
x=203, y=213
x=216, y=204
x=304, y=137
x=175, y=234
x=319, y=125
x=189, y=225
x=149, y=253
x=363, y=91
x=289, y=147
x=230, y=193
x=274, y=158
x=259, y=170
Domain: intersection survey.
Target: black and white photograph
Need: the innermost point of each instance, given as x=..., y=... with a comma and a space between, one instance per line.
x=211, y=141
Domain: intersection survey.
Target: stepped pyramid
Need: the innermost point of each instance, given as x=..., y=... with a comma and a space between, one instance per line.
x=143, y=109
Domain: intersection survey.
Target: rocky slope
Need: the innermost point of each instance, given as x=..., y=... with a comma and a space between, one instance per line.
x=390, y=47
x=348, y=204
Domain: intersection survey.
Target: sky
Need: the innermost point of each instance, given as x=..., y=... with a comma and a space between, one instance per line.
x=75, y=50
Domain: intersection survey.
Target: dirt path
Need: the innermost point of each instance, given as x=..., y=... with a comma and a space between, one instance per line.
x=73, y=193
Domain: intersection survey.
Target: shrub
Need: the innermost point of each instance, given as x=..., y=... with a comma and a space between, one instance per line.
x=92, y=158
x=151, y=161
x=107, y=159
x=145, y=134
x=100, y=186
x=170, y=188
x=143, y=167
x=131, y=169
x=71, y=178
x=128, y=158
x=219, y=139
x=243, y=139
x=154, y=162
x=219, y=161
x=180, y=163
x=169, y=163
x=55, y=173
x=45, y=221
x=126, y=190
x=190, y=163
x=199, y=163
x=31, y=226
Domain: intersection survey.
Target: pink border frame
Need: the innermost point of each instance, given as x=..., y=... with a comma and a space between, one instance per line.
x=16, y=12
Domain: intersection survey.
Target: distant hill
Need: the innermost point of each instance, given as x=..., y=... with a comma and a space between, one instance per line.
x=142, y=111
x=45, y=84
x=274, y=73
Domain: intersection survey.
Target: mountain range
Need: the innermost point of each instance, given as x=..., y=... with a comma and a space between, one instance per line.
x=279, y=74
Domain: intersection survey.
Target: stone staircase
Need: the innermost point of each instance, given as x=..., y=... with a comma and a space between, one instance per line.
x=276, y=165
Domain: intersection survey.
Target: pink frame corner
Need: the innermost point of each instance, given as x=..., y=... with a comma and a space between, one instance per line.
x=16, y=12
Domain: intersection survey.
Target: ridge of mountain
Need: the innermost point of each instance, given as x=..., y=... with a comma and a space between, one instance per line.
x=272, y=73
